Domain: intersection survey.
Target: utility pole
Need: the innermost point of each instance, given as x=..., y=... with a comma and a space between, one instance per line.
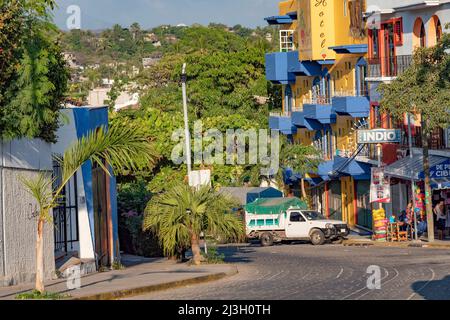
x=379, y=151
x=413, y=183
x=187, y=135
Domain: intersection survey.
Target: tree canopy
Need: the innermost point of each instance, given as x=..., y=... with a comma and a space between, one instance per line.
x=33, y=77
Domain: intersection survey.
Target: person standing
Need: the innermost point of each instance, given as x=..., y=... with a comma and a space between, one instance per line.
x=441, y=218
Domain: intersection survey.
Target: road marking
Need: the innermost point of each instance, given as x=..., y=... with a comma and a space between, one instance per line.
x=340, y=273
x=275, y=275
x=433, y=275
x=365, y=287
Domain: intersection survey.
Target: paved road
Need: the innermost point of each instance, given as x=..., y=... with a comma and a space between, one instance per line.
x=331, y=272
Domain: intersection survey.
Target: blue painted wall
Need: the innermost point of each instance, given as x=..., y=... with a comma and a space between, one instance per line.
x=89, y=119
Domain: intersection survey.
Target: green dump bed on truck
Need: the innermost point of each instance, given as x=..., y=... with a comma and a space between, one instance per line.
x=270, y=214
x=274, y=205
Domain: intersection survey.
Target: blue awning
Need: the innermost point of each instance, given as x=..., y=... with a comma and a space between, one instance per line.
x=349, y=49
x=340, y=166
x=274, y=20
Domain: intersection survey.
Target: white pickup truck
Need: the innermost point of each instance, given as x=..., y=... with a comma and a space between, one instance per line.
x=288, y=219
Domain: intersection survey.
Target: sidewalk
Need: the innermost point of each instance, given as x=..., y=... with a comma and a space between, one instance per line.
x=367, y=241
x=144, y=276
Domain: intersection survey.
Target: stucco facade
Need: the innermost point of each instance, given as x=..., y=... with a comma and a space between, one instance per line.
x=18, y=224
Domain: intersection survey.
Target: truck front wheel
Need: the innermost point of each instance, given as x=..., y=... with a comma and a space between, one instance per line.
x=317, y=237
x=266, y=239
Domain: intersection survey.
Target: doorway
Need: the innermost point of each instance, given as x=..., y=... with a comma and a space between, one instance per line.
x=390, y=63
x=101, y=216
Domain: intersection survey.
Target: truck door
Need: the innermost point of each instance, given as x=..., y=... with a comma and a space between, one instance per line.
x=297, y=225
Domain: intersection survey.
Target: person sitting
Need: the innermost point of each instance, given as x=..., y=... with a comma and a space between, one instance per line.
x=422, y=227
x=403, y=221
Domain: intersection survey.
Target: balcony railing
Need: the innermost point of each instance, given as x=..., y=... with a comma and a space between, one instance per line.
x=318, y=100
x=350, y=93
x=388, y=67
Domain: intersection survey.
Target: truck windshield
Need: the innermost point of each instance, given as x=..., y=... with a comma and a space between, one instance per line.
x=313, y=215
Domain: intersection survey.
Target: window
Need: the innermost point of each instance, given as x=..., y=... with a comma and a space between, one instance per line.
x=313, y=215
x=422, y=36
x=374, y=44
x=398, y=32
x=297, y=217
x=287, y=40
x=376, y=117
x=438, y=30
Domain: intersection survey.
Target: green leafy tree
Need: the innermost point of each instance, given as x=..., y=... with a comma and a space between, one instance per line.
x=181, y=214
x=423, y=89
x=302, y=159
x=35, y=77
x=116, y=148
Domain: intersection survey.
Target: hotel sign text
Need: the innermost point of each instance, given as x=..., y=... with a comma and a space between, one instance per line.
x=377, y=136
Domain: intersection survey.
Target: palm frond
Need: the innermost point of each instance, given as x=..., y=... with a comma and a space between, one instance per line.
x=121, y=147
x=40, y=188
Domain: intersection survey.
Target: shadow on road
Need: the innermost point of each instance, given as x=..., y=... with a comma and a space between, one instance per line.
x=237, y=254
x=433, y=290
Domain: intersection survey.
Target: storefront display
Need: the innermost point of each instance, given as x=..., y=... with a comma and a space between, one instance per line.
x=380, y=224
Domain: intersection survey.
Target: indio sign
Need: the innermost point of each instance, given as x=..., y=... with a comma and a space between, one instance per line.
x=377, y=136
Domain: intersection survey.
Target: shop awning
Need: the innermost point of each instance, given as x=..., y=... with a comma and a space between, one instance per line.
x=441, y=184
x=408, y=168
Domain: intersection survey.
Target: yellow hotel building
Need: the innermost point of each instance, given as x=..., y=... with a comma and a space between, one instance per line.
x=322, y=66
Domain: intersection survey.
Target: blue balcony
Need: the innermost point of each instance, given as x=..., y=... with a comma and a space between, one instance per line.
x=277, y=20
x=299, y=120
x=283, y=67
x=351, y=49
x=356, y=107
x=322, y=113
x=283, y=124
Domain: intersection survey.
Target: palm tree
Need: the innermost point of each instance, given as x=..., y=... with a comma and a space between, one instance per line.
x=302, y=159
x=181, y=214
x=121, y=147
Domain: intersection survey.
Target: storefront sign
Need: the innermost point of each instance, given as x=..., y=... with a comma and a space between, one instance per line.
x=377, y=136
x=439, y=171
x=380, y=187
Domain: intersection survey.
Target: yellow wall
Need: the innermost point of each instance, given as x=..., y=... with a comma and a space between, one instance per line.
x=304, y=136
x=323, y=24
x=286, y=7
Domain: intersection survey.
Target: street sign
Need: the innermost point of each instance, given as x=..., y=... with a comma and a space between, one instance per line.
x=377, y=136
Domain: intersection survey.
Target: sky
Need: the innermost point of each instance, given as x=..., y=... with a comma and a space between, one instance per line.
x=101, y=14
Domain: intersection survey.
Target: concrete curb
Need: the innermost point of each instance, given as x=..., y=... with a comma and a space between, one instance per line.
x=353, y=243
x=114, y=295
